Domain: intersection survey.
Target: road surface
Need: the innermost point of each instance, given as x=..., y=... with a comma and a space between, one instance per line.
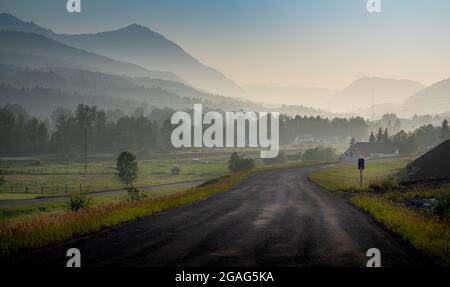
x=273, y=219
x=22, y=202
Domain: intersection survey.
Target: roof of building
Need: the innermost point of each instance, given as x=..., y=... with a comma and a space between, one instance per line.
x=369, y=147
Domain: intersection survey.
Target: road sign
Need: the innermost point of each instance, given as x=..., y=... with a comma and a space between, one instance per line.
x=361, y=168
x=360, y=163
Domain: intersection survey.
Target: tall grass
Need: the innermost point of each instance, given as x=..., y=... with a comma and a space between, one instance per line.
x=428, y=235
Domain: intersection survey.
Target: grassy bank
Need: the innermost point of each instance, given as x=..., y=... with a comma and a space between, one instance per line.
x=427, y=234
x=14, y=213
x=39, y=231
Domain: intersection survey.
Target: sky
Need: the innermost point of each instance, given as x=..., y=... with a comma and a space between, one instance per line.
x=315, y=43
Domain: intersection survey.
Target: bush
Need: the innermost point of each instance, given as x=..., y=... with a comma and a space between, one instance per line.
x=134, y=193
x=443, y=206
x=320, y=153
x=384, y=186
x=2, y=179
x=175, y=170
x=77, y=202
x=239, y=163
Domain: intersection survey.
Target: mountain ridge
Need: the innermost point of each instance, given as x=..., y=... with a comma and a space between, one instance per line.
x=139, y=45
x=365, y=91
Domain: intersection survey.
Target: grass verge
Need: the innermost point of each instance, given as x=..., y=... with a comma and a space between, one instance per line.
x=428, y=235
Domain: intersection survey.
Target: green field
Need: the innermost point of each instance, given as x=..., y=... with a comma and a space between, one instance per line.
x=60, y=177
x=346, y=177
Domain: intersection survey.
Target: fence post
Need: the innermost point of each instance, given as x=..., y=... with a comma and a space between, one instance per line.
x=42, y=189
x=26, y=189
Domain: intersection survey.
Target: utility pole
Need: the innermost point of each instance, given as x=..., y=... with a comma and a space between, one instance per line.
x=85, y=151
x=373, y=104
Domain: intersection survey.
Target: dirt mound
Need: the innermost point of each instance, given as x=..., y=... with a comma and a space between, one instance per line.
x=432, y=166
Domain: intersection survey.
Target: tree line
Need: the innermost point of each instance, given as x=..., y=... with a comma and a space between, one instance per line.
x=422, y=138
x=70, y=131
x=339, y=129
x=105, y=131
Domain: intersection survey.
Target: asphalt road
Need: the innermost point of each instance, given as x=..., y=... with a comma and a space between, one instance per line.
x=273, y=219
x=22, y=202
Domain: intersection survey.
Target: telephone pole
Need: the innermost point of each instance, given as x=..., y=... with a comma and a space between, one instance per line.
x=373, y=104
x=85, y=151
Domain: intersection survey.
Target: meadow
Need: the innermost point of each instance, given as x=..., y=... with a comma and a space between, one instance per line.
x=61, y=177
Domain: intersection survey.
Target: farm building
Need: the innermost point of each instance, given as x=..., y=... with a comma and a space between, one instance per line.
x=370, y=150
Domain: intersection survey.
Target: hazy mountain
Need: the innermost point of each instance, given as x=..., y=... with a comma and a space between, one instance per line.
x=40, y=101
x=76, y=82
x=139, y=45
x=305, y=96
x=359, y=93
x=33, y=50
x=434, y=99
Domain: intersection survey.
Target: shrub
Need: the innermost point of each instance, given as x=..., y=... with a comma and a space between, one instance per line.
x=443, y=206
x=175, y=170
x=384, y=186
x=77, y=202
x=239, y=163
x=320, y=153
x=134, y=193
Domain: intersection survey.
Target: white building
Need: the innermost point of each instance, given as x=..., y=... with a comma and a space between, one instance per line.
x=369, y=150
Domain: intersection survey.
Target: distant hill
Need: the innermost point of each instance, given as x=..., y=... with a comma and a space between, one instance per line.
x=359, y=93
x=305, y=96
x=432, y=166
x=33, y=50
x=88, y=86
x=139, y=45
x=434, y=99
x=40, y=101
